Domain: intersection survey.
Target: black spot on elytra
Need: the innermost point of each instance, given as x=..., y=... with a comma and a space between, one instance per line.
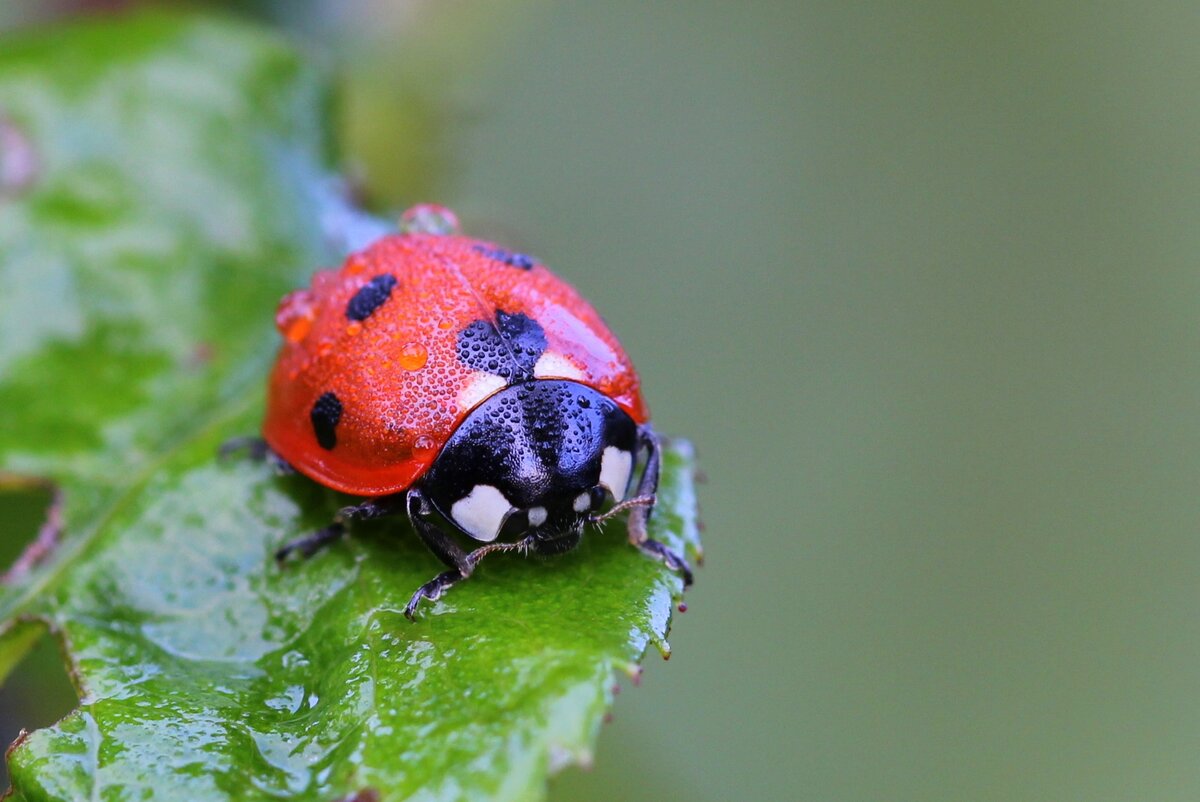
x=325, y=416
x=370, y=297
x=510, y=347
x=518, y=260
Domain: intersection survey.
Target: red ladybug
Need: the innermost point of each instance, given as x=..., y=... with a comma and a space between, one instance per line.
x=452, y=380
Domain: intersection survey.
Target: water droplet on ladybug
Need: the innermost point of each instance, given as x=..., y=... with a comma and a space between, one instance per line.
x=353, y=327
x=413, y=356
x=429, y=218
x=355, y=264
x=424, y=448
x=324, y=282
x=325, y=348
x=295, y=315
x=445, y=323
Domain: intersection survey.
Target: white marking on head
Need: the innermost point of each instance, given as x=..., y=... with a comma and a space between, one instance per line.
x=615, y=467
x=582, y=502
x=478, y=387
x=556, y=366
x=481, y=512
x=537, y=516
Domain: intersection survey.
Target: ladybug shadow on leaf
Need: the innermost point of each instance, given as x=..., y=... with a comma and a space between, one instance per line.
x=388, y=555
x=390, y=545
x=383, y=559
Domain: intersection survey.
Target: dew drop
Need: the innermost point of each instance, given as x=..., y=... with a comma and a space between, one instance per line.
x=353, y=327
x=445, y=323
x=429, y=218
x=424, y=448
x=325, y=348
x=295, y=315
x=355, y=264
x=413, y=356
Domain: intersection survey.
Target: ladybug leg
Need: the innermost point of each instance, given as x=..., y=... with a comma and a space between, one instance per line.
x=639, y=516
x=420, y=512
x=312, y=543
x=443, y=547
x=434, y=588
x=462, y=563
x=256, y=449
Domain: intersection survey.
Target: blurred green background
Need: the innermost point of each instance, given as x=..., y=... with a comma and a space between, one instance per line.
x=920, y=279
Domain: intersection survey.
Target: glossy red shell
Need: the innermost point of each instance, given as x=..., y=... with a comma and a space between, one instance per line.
x=402, y=389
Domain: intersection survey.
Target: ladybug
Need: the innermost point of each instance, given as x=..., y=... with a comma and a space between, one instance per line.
x=465, y=386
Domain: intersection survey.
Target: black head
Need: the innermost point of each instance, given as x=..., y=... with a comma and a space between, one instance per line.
x=540, y=458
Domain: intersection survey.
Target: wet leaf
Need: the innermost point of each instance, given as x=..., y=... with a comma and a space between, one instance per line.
x=172, y=189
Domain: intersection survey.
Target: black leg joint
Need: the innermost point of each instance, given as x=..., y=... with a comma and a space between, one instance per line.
x=312, y=543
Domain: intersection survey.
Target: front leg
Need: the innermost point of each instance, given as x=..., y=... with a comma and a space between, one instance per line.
x=434, y=588
x=462, y=563
x=312, y=543
x=639, y=516
x=257, y=449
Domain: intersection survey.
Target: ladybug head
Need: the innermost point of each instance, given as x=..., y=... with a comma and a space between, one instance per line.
x=540, y=458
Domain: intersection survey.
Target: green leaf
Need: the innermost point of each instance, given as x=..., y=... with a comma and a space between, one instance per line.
x=162, y=184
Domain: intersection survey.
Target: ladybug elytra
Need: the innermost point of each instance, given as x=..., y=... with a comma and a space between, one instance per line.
x=467, y=387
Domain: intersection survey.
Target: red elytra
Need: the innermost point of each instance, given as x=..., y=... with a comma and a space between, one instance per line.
x=401, y=386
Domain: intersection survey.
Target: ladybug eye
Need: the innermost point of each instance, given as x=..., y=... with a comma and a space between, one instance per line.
x=515, y=525
x=595, y=498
